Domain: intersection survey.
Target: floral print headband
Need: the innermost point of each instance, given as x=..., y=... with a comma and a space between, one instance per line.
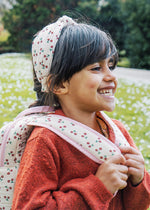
x=43, y=47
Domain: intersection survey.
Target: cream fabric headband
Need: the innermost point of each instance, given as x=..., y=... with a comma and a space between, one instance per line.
x=43, y=47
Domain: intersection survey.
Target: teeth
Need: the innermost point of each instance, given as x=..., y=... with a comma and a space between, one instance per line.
x=107, y=92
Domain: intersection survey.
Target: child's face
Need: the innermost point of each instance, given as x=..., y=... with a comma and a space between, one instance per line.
x=92, y=89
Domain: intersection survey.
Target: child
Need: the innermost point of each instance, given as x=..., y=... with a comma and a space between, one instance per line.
x=73, y=69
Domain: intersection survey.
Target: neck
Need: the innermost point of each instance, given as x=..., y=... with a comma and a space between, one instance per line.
x=86, y=118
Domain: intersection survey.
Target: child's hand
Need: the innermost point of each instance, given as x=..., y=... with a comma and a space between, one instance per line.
x=135, y=163
x=113, y=173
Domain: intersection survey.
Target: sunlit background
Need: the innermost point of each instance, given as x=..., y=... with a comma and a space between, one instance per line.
x=128, y=21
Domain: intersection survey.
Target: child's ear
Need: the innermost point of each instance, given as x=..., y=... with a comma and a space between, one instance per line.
x=62, y=89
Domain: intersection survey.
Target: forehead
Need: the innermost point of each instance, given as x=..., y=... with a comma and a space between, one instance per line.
x=107, y=60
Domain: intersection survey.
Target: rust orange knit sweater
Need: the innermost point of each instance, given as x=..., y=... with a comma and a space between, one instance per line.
x=55, y=175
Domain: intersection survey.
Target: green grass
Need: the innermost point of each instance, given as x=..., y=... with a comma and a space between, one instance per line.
x=15, y=85
x=132, y=99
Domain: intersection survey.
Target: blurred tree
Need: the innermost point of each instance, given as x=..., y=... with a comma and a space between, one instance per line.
x=28, y=16
x=137, y=18
x=111, y=20
x=89, y=9
x=128, y=22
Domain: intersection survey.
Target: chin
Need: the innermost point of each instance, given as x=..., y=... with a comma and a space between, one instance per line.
x=110, y=109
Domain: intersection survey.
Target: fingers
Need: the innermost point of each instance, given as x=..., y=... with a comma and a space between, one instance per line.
x=122, y=185
x=123, y=176
x=136, y=175
x=120, y=163
x=117, y=159
x=135, y=169
x=134, y=160
x=122, y=169
x=133, y=157
x=137, y=157
x=119, y=181
x=129, y=150
x=135, y=164
x=119, y=176
x=113, y=173
x=132, y=171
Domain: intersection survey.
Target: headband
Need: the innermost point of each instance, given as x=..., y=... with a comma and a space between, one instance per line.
x=43, y=48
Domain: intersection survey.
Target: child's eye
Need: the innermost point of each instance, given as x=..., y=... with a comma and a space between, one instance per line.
x=111, y=68
x=96, y=68
x=111, y=64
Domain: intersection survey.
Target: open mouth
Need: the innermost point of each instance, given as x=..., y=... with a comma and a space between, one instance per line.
x=106, y=92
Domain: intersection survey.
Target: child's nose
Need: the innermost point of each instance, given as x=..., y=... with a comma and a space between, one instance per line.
x=109, y=75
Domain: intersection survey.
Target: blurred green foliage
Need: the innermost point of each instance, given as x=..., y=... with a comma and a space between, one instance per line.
x=136, y=14
x=128, y=22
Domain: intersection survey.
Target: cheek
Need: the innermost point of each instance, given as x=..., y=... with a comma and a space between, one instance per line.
x=116, y=84
x=92, y=83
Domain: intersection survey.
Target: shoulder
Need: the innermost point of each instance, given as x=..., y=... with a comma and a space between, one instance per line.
x=41, y=132
x=43, y=139
x=42, y=146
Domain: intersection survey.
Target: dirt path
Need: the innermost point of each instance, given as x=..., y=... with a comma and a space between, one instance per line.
x=134, y=75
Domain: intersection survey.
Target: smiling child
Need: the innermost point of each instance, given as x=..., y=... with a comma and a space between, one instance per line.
x=73, y=68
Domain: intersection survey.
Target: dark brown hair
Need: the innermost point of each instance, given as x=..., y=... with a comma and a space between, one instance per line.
x=78, y=46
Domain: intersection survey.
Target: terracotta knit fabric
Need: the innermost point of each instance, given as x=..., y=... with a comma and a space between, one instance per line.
x=55, y=175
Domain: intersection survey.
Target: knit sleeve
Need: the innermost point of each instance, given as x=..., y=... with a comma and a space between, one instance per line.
x=38, y=182
x=135, y=197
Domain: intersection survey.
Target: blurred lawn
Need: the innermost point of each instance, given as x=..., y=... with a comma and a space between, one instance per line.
x=16, y=86
x=132, y=103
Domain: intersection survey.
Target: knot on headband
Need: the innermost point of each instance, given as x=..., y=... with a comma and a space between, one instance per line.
x=43, y=48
